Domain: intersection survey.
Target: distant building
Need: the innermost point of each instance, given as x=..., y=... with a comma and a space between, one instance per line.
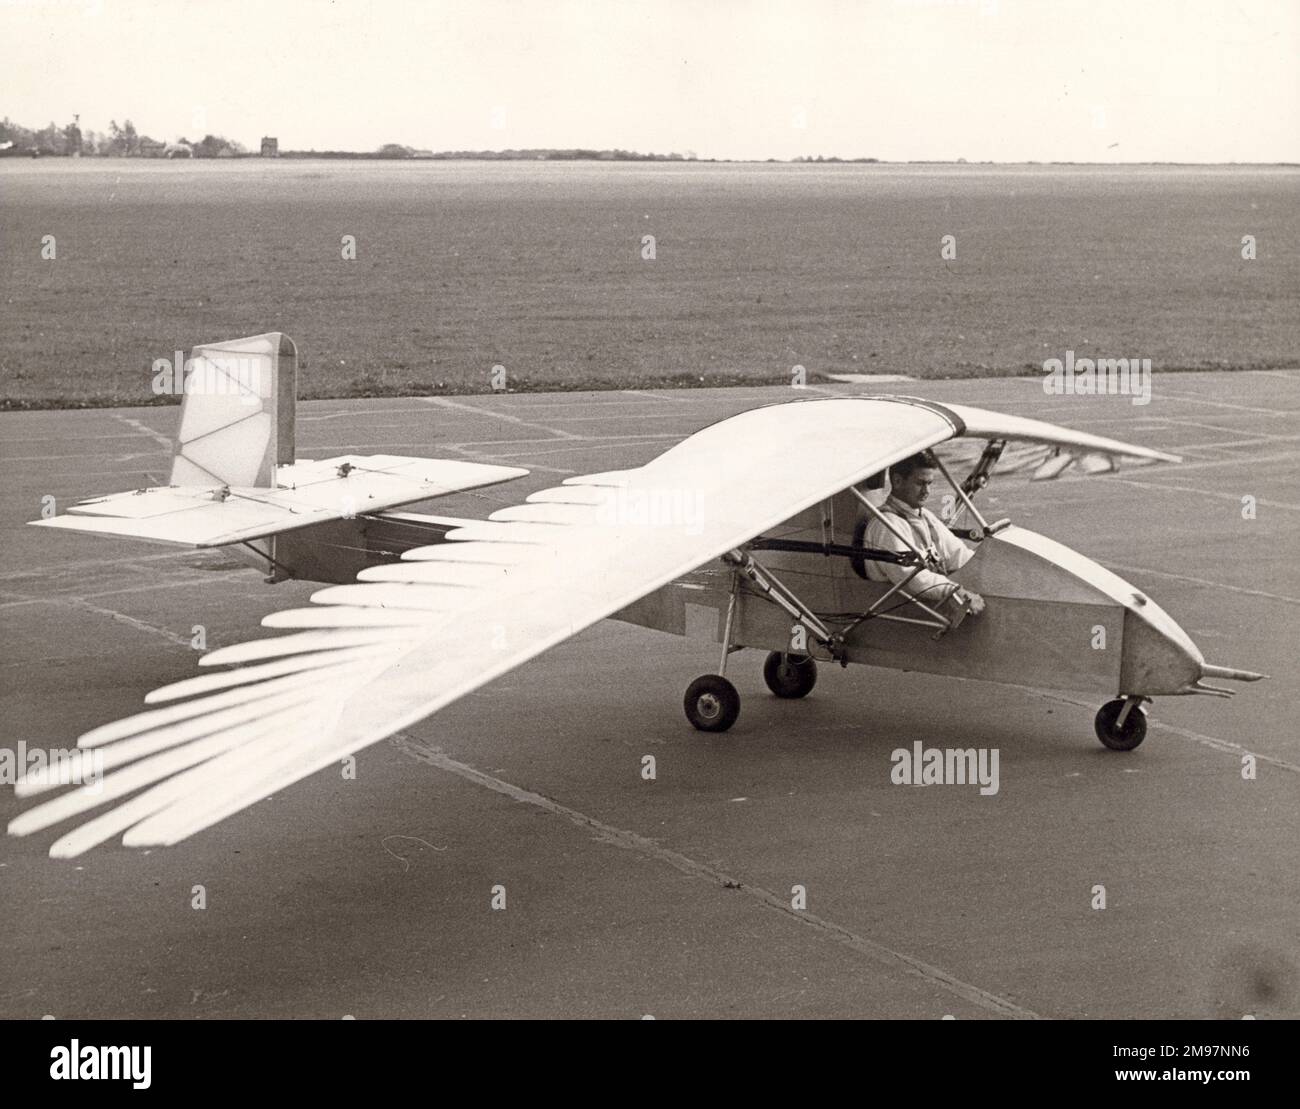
x=72, y=132
x=270, y=147
x=180, y=149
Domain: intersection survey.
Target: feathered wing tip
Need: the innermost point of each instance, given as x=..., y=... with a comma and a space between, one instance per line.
x=265, y=712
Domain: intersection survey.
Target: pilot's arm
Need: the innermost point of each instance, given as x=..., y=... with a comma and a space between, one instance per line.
x=954, y=554
x=930, y=586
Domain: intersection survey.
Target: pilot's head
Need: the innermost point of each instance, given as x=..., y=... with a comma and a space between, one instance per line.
x=910, y=480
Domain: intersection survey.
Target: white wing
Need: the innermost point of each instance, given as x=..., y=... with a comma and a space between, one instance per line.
x=411, y=637
x=1045, y=450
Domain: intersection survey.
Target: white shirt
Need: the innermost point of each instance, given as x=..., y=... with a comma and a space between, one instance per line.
x=927, y=531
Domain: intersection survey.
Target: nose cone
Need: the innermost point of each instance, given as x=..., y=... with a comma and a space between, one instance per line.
x=1158, y=656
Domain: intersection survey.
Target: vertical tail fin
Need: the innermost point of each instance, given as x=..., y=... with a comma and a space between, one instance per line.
x=237, y=414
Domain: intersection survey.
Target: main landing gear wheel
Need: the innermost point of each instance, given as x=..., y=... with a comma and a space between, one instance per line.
x=712, y=703
x=1117, y=736
x=790, y=676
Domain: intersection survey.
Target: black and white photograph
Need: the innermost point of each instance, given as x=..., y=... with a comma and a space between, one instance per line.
x=651, y=510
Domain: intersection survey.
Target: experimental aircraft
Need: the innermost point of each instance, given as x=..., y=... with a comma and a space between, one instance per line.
x=747, y=534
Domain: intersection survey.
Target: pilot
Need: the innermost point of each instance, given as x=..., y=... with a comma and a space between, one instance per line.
x=910, y=482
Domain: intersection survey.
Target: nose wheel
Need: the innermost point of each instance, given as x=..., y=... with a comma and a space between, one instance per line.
x=1122, y=724
x=712, y=703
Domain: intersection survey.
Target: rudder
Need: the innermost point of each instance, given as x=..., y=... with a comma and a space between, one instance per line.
x=237, y=413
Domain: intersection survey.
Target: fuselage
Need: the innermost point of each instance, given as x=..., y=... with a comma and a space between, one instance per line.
x=1053, y=618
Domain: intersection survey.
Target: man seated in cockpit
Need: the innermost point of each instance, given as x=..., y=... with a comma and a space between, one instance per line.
x=910, y=482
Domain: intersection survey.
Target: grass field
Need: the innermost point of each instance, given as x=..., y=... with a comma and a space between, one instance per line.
x=538, y=267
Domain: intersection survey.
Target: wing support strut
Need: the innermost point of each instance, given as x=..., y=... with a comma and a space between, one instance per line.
x=271, y=579
x=773, y=589
x=729, y=630
x=983, y=469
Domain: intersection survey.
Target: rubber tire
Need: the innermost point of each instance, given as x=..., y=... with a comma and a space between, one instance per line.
x=1133, y=732
x=790, y=676
x=711, y=703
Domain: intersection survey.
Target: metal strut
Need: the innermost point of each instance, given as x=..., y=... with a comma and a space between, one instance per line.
x=980, y=473
x=965, y=497
x=271, y=580
x=924, y=558
x=1131, y=702
x=780, y=594
x=927, y=558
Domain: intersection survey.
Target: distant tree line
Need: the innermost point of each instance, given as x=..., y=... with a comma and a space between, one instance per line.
x=125, y=141
x=122, y=141
x=820, y=158
x=577, y=154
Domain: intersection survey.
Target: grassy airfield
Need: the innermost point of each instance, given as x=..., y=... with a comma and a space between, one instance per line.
x=542, y=268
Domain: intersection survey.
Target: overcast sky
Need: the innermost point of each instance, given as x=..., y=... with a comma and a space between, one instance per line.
x=1004, y=80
